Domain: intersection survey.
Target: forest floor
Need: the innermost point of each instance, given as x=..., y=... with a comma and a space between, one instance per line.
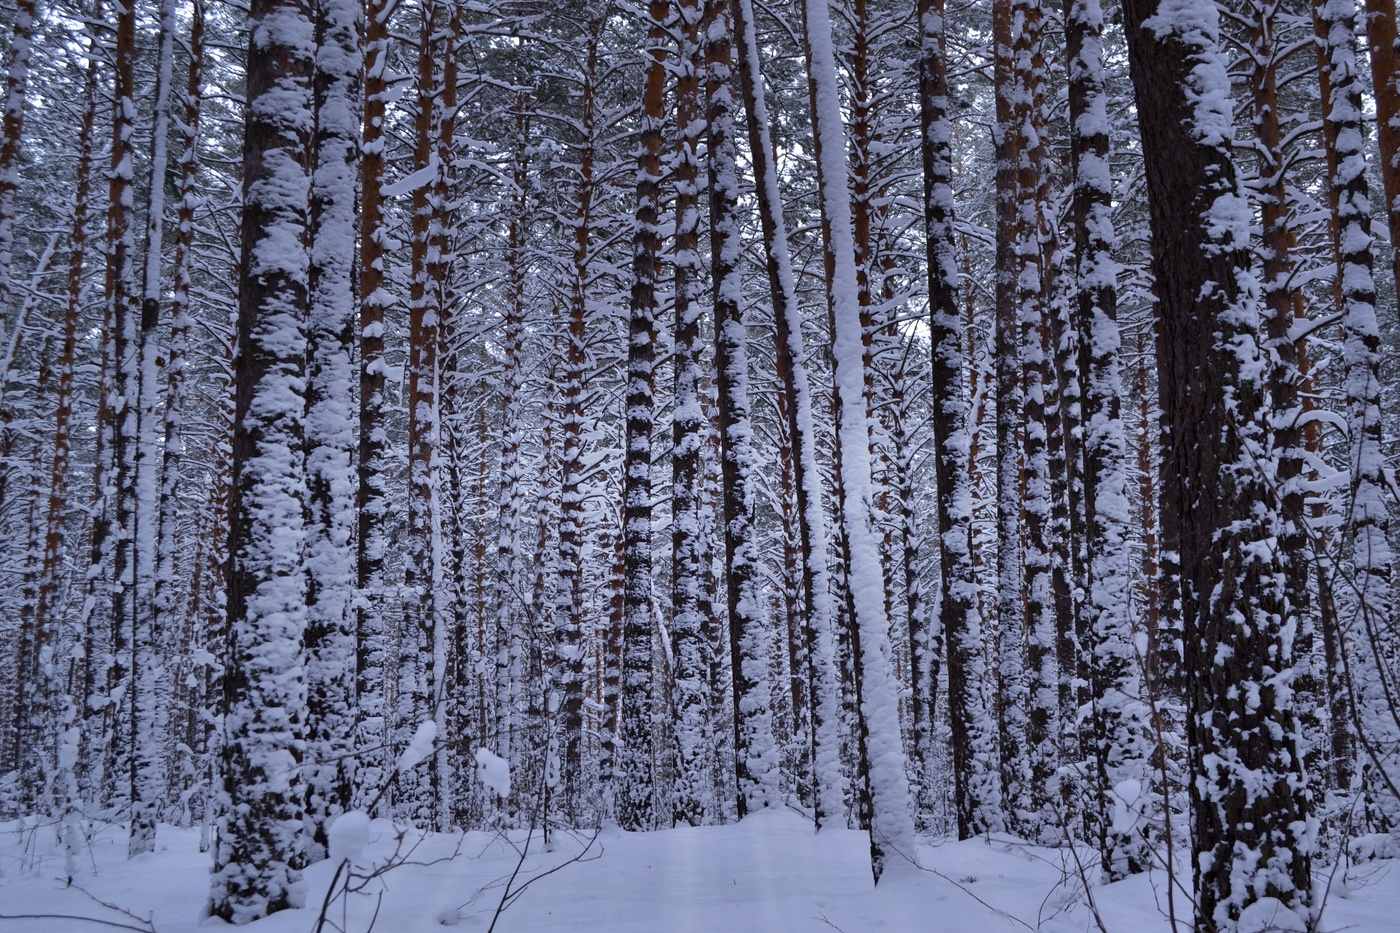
x=768, y=874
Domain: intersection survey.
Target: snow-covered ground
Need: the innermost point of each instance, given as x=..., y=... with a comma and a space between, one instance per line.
x=768, y=874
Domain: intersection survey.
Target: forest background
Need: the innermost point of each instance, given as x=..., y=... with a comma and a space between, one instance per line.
x=950, y=420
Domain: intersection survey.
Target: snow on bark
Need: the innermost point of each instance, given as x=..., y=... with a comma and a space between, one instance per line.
x=1119, y=725
x=12, y=132
x=973, y=738
x=820, y=672
x=567, y=675
x=635, y=808
x=511, y=585
x=755, y=753
x=261, y=842
x=690, y=573
x=330, y=425
x=1370, y=646
x=150, y=682
x=1253, y=834
x=371, y=503
x=892, y=826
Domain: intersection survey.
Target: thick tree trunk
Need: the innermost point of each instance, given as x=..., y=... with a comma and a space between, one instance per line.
x=330, y=429
x=261, y=850
x=1252, y=836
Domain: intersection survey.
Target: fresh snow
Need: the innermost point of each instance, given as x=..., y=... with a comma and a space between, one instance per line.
x=419, y=747
x=347, y=837
x=494, y=771
x=768, y=873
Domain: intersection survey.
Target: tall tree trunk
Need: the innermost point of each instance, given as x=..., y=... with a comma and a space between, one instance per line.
x=330, y=429
x=123, y=312
x=1010, y=404
x=511, y=581
x=881, y=747
x=165, y=597
x=47, y=608
x=1250, y=832
x=1119, y=750
x=569, y=622
x=690, y=575
x=818, y=608
x=12, y=133
x=634, y=800
x=150, y=682
x=960, y=620
x=755, y=757
x=1383, y=43
x=371, y=502
x=1369, y=644
x=261, y=849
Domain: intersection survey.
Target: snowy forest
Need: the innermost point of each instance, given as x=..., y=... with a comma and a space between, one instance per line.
x=921, y=420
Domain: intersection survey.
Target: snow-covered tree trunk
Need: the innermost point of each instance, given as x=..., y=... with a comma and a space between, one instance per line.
x=124, y=313
x=177, y=355
x=511, y=579
x=755, y=756
x=892, y=826
x=48, y=608
x=690, y=575
x=960, y=620
x=12, y=132
x=1383, y=43
x=1252, y=832
x=1031, y=809
x=1278, y=293
x=634, y=788
x=1370, y=646
x=371, y=503
x=1011, y=637
x=261, y=848
x=330, y=428
x=569, y=609
x=1115, y=685
x=818, y=611
x=150, y=682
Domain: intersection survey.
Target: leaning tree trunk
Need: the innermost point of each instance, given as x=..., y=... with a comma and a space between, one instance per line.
x=881, y=746
x=755, y=755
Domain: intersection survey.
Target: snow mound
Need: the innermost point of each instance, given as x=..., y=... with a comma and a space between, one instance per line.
x=347, y=836
x=1270, y=915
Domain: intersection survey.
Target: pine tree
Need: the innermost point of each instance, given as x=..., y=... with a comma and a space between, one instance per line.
x=755, y=757
x=635, y=808
x=690, y=575
x=1252, y=836
x=959, y=616
x=330, y=435
x=261, y=850
x=1119, y=755
x=881, y=751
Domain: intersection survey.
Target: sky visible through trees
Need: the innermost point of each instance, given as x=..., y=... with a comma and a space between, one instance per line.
x=936, y=418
